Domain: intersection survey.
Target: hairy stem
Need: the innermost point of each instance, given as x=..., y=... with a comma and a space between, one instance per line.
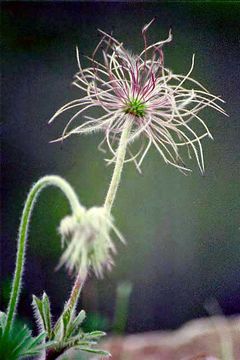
x=23, y=231
x=111, y=194
x=76, y=290
x=120, y=157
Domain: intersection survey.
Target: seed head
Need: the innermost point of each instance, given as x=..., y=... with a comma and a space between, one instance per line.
x=163, y=107
x=88, y=242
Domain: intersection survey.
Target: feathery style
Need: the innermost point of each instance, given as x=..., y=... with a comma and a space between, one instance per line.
x=88, y=242
x=162, y=107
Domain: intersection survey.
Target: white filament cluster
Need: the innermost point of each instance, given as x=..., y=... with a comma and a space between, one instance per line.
x=88, y=242
x=172, y=102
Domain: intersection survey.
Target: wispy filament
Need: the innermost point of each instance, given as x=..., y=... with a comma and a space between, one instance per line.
x=164, y=107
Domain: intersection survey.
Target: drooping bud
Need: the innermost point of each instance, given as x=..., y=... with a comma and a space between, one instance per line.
x=88, y=242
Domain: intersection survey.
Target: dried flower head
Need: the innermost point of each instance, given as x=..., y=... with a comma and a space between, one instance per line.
x=88, y=242
x=163, y=107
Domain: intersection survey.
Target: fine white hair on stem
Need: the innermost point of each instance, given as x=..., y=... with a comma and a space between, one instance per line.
x=164, y=107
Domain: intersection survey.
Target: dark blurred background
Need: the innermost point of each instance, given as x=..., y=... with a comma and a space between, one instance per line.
x=182, y=232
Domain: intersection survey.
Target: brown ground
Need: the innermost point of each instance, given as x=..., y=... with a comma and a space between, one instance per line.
x=215, y=338
x=211, y=339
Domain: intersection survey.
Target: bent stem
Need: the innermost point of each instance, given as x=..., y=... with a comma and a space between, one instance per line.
x=117, y=172
x=76, y=208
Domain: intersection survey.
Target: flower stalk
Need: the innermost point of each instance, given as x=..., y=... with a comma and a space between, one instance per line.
x=120, y=157
x=76, y=208
x=111, y=194
x=76, y=290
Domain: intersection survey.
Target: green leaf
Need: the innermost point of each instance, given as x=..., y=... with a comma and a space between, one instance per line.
x=43, y=313
x=79, y=319
x=19, y=343
x=38, y=340
x=58, y=333
x=95, y=351
x=95, y=334
x=60, y=329
x=47, y=314
x=38, y=312
x=75, y=324
x=77, y=341
x=3, y=318
x=66, y=317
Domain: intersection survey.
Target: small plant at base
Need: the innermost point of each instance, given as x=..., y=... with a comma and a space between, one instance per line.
x=66, y=333
x=61, y=340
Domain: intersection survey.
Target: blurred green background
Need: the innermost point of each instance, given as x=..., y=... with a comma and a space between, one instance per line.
x=182, y=232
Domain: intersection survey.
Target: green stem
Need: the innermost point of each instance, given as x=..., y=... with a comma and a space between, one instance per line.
x=70, y=305
x=23, y=230
x=111, y=194
x=76, y=290
x=120, y=157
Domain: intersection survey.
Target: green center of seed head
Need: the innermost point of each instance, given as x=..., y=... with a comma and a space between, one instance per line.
x=135, y=107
